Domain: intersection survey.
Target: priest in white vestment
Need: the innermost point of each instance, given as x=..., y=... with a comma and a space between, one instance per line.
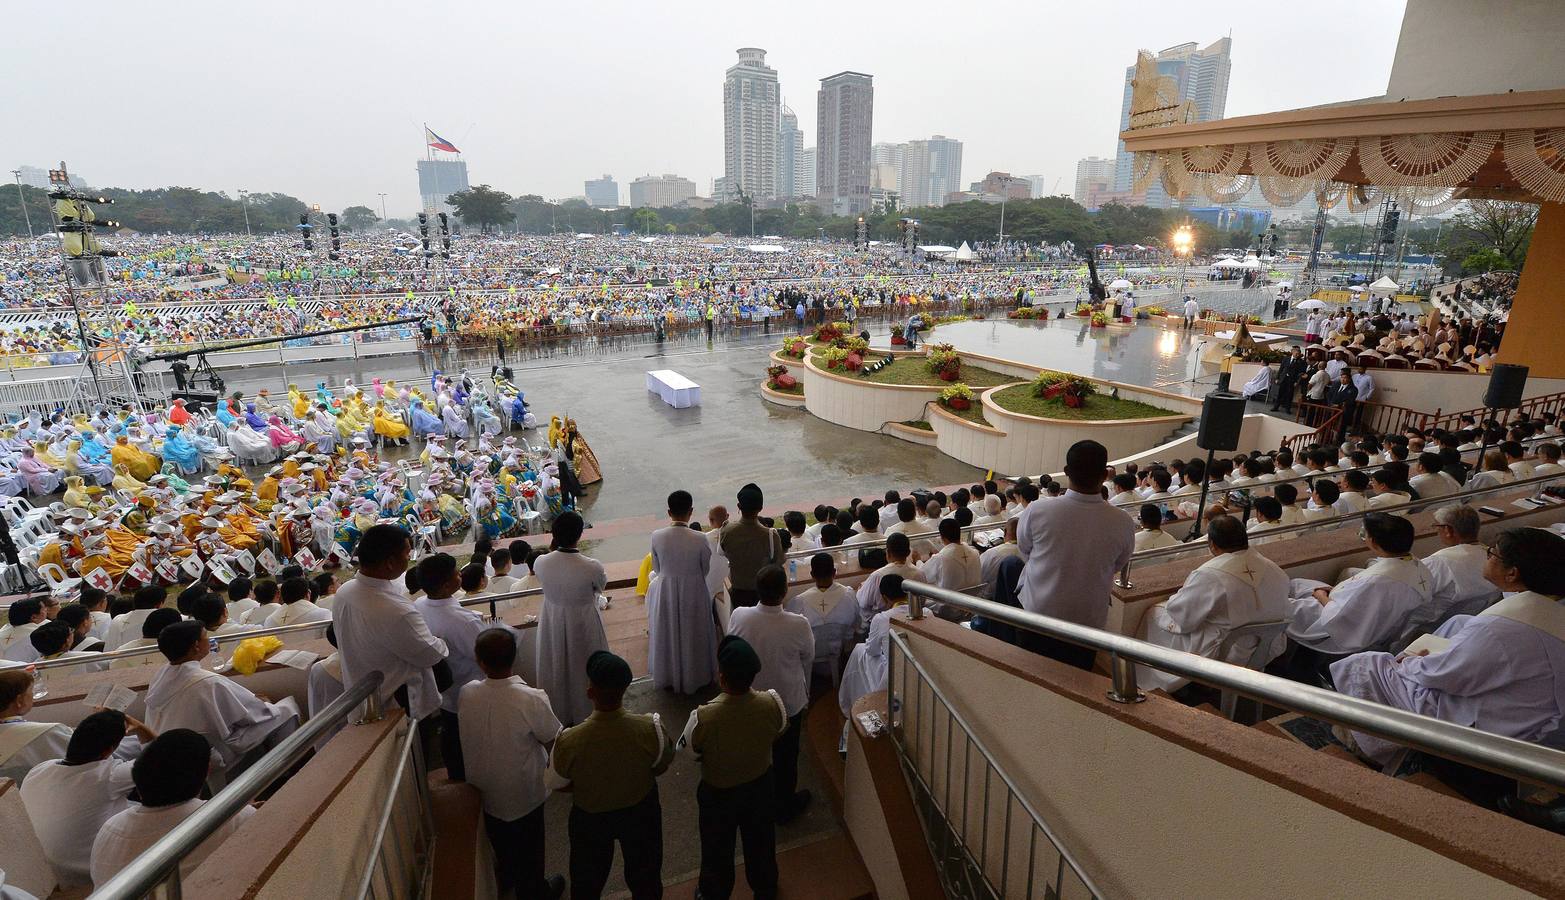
x=865, y=671
x=1502, y=671
x=898, y=548
x=681, y=623
x=1457, y=569
x=24, y=743
x=1371, y=607
x=955, y=567
x=570, y=628
x=185, y=695
x=1237, y=586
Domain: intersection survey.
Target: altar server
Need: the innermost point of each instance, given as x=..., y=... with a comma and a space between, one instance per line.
x=682, y=639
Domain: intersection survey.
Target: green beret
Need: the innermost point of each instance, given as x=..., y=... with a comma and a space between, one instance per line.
x=736, y=656
x=607, y=671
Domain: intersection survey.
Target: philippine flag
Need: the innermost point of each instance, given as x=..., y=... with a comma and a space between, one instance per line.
x=438, y=142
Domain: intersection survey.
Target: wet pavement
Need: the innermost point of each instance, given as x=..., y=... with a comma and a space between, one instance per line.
x=647, y=448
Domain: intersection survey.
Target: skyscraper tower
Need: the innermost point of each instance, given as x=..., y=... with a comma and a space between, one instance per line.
x=750, y=110
x=844, y=116
x=790, y=155
x=1202, y=76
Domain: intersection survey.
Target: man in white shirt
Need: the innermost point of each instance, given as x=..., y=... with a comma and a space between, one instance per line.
x=508, y=728
x=786, y=645
x=989, y=561
x=1549, y=461
x=994, y=512
x=127, y=627
x=832, y=609
x=956, y=566
x=240, y=598
x=1268, y=517
x=1237, y=586
x=1364, y=383
x=210, y=610
x=906, y=518
x=1192, y=310
x=151, y=627
x=22, y=618
x=898, y=549
x=379, y=630
x=888, y=512
x=868, y=533
x=503, y=582
x=265, y=604
x=168, y=776
x=823, y=514
x=1459, y=586
x=1073, y=546
x=239, y=724
x=1367, y=609
x=1351, y=486
x=70, y=799
x=1429, y=478
x=1386, y=493
x=1516, y=459
x=297, y=609
x=457, y=627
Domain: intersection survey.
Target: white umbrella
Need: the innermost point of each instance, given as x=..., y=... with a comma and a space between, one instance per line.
x=1285, y=284
x=1310, y=304
x=1120, y=284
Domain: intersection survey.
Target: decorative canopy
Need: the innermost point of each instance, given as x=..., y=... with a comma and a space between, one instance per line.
x=1427, y=154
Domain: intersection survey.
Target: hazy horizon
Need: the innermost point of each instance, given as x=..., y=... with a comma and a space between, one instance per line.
x=328, y=102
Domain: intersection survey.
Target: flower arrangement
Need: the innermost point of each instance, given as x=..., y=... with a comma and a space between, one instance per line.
x=777, y=378
x=1071, y=390
x=1154, y=311
x=943, y=362
x=852, y=344
x=835, y=357
x=1100, y=320
x=1028, y=312
x=957, y=396
x=795, y=347
x=1084, y=309
x=829, y=332
x=945, y=320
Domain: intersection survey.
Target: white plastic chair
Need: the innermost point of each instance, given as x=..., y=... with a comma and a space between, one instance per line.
x=59, y=582
x=1265, y=634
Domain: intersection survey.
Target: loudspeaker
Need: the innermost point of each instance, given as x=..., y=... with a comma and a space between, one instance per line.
x=1506, y=384
x=204, y=401
x=1222, y=417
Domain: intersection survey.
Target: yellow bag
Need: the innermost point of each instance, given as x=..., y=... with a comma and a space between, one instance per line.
x=249, y=655
x=644, y=578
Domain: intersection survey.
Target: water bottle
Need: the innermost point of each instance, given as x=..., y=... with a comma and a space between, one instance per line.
x=793, y=569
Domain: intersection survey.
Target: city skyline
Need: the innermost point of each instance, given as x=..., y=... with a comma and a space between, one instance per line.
x=546, y=120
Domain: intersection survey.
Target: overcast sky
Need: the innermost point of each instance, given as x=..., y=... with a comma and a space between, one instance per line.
x=326, y=100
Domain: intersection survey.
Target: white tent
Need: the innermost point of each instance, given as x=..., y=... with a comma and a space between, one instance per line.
x=1227, y=262
x=964, y=252
x=1251, y=264
x=1384, y=285
x=936, y=249
x=766, y=248
x=583, y=236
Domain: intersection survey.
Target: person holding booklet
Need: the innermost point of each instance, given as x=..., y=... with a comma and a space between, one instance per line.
x=1501, y=671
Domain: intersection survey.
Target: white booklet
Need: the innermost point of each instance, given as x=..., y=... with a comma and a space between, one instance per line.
x=294, y=659
x=1432, y=643
x=110, y=696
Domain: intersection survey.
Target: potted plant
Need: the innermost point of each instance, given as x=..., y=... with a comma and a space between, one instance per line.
x=828, y=333
x=852, y=344
x=1100, y=320
x=779, y=379
x=958, y=396
x=835, y=357
x=795, y=347
x=1084, y=309
x=943, y=362
x=1071, y=390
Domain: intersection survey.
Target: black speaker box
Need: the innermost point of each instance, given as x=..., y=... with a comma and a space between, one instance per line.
x=1506, y=385
x=204, y=401
x=1222, y=417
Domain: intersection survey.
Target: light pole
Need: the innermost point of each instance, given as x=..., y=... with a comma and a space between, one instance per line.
x=1183, y=241
x=244, y=204
x=22, y=201
x=383, y=207
x=1003, y=198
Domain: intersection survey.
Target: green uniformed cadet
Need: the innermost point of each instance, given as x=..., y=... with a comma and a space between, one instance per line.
x=732, y=736
x=610, y=764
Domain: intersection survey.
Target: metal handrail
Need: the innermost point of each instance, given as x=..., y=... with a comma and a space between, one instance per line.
x=880, y=541
x=377, y=843
x=235, y=636
x=961, y=721
x=1510, y=757
x=161, y=860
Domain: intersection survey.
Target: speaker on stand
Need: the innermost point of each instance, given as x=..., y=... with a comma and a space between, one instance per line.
x=1222, y=421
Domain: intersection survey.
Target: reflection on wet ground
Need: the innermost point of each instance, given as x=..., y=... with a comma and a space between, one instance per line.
x=1145, y=353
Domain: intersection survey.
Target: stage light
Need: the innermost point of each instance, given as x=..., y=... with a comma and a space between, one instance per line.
x=445, y=236
x=1183, y=240
x=336, y=245
x=305, y=231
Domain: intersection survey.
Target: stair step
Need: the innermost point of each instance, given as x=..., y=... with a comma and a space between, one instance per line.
x=828, y=869
x=1341, y=753
x=1426, y=780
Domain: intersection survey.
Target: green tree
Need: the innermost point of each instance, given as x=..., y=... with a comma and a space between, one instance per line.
x=1484, y=259
x=482, y=206
x=644, y=220
x=1501, y=225
x=355, y=218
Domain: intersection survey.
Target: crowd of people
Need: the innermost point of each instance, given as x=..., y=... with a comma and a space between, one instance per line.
x=1403, y=340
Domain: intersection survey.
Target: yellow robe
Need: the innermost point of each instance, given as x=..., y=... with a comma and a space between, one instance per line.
x=301, y=406
x=142, y=465
x=386, y=426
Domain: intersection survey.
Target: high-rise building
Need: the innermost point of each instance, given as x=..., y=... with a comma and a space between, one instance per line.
x=439, y=179
x=750, y=108
x=660, y=191
x=1002, y=185
x=805, y=180
x=602, y=192
x=790, y=149
x=930, y=170
x=844, y=117
x=1037, y=186
x=887, y=159
x=1094, y=175
x=1202, y=76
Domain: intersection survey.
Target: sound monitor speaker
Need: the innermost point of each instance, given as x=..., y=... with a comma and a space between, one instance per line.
x=1222, y=418
x=1506, y=385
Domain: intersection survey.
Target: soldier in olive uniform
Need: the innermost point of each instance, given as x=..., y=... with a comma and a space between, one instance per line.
x=732, y=736
x=609, y=764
